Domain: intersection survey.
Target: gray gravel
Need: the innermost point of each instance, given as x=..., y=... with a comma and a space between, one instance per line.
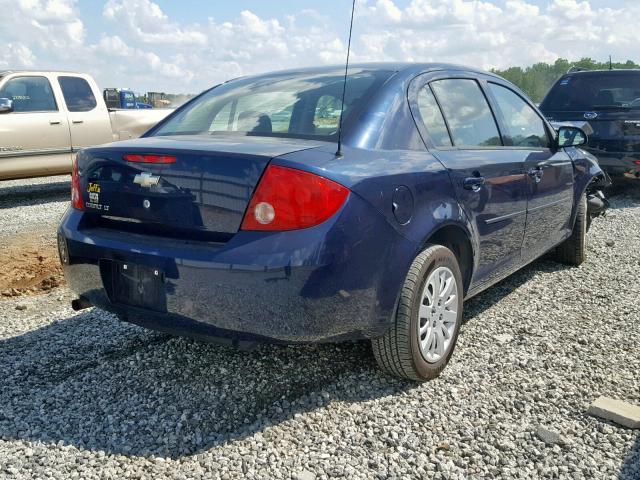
x=84, y=396
x=34, y=204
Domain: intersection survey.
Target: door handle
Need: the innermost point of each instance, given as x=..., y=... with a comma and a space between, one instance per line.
x=536, y=173
x=54, y=122
x=473, y=183
x=76, y=122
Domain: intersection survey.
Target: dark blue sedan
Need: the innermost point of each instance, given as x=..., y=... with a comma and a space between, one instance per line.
x=236, y=219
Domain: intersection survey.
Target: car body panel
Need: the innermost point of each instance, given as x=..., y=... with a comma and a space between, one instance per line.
x=308, y=285
x=550, y=200
x=340, y=279
x=506, y=213
x=206, y=190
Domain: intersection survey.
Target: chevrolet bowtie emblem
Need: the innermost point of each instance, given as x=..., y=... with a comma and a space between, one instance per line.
x=146, y=180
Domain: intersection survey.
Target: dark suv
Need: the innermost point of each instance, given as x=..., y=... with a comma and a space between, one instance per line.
x=610, y=101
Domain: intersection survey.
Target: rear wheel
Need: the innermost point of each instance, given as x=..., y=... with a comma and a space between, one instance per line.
x=573, y=251
x=419, y=344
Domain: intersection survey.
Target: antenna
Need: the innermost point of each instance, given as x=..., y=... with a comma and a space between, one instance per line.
x=344, y=84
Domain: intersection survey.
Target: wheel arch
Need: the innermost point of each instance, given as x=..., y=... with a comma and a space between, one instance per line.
x=588, y=177
x=457, y=239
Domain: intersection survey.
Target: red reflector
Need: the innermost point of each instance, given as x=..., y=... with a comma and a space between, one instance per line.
x=76, y=194
x=149, y=158
x=290, y=199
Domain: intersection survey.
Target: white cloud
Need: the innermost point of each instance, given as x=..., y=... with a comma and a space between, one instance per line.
x=16, y=55
x=144, y=21
x=140, y=46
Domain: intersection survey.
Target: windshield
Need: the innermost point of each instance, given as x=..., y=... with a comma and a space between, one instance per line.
x=594, y=91
x=303, y=105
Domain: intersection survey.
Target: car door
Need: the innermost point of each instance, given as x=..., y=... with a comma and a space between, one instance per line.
x=489, y=182
x=549, y=171
x=88, y=118
x=34, y=136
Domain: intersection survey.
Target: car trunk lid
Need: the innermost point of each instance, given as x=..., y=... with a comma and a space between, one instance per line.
x=203, y=192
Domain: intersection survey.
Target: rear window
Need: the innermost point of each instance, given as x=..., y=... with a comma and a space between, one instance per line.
x=594, y=91
x=282, y=105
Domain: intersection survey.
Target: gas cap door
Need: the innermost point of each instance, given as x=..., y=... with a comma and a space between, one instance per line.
x=402, y=204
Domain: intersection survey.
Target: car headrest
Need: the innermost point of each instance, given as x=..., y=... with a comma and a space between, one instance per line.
x=254, y=122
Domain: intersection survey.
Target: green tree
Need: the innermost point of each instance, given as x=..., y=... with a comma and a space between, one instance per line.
x=537, y=79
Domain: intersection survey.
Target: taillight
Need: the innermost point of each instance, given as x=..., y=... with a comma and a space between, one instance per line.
x=76, y=193
x=290, y=199
x=138, y=158
x=637, y=162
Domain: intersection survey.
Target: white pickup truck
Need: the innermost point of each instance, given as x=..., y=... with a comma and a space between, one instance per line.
x=45, y=117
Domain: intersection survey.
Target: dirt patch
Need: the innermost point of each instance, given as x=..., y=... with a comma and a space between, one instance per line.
x=29, y=266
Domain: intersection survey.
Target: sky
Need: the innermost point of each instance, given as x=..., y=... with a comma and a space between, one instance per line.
x=186, y=46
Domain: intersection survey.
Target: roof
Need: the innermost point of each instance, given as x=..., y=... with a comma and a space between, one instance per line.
x=615, y=71
x=405, y=69
x=7, y=72
x=393, y=66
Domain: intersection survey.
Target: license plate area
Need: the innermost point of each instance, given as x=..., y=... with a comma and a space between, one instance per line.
x=139, y=286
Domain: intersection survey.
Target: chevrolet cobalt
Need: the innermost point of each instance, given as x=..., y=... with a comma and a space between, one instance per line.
x=237, y=217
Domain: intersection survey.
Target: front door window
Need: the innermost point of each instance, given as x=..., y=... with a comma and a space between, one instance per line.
x=30, y=94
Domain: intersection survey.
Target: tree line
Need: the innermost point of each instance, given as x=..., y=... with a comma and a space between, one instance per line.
x=536, y=80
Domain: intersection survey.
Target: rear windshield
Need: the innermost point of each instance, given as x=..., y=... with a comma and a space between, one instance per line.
x=283, y=105
x=594, y=91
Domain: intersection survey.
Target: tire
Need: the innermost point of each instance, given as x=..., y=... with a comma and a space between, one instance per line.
x=398, y=352
x=573, y=251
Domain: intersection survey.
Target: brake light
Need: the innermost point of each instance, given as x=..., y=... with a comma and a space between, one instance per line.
x=76, y=193
x=138, y=158
x=290, y=199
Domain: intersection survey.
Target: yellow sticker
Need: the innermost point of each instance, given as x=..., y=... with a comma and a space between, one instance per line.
x=94, y=188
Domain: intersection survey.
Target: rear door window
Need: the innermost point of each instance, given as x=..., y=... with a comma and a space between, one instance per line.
x=77, y=94
x=525, y=127
x=432, y=118
x=467, y=112
x=30, y=94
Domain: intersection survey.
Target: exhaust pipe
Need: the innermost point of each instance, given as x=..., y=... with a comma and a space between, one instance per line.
x=80, y=304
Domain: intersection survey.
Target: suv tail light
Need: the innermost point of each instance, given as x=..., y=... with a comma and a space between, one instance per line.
x=76, y=193
x=290, y=199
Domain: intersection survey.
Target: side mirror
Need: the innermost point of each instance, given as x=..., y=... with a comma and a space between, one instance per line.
x=571, y=137
x=6, y=105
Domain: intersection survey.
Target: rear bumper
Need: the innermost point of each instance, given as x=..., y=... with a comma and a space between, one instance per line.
x=338, y=280
x=619, y=165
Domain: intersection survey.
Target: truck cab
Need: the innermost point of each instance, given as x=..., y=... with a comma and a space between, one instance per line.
x=46, y=117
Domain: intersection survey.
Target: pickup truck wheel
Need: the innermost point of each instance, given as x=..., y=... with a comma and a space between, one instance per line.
x=573, y=251
x=428, y=317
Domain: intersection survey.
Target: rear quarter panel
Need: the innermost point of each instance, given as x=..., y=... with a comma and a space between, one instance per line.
x=374, y=176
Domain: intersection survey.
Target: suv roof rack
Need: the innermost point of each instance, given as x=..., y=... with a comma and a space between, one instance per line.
x=575, y=68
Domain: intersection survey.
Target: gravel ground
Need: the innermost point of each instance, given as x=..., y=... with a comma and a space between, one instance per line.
x=33, y=205
x=84, y=396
